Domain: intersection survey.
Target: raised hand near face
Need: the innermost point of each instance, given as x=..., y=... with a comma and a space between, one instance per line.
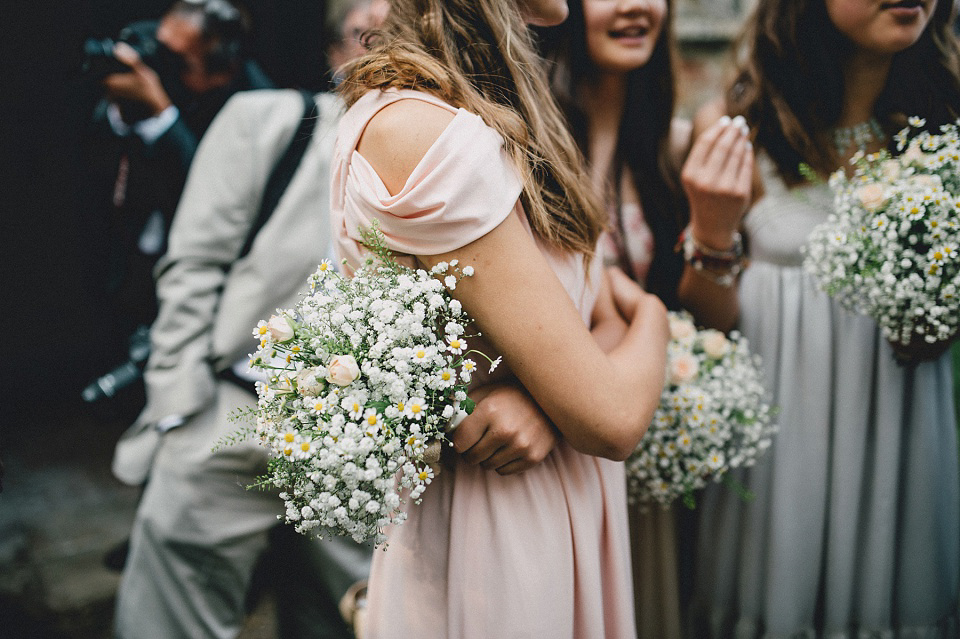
x=717, y=178
x=141, y=84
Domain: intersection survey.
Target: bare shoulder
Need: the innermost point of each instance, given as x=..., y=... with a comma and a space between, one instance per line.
x=399, y=135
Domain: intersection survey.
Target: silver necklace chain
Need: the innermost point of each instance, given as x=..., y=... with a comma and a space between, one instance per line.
x=858, y=136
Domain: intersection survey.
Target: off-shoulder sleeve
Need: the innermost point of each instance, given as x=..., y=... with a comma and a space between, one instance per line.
x=463, y=187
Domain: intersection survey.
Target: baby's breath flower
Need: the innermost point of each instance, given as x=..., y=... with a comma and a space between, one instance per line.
x=362, y=375
x=712, y=416
x=893, y=258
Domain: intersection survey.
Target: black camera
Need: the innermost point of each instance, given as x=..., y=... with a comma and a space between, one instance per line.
x=99, y=61
x=125, y=374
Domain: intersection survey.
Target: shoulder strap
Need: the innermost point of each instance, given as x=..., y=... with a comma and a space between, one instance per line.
x=284, y=169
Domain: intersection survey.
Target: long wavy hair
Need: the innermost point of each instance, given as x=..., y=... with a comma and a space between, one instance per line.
x=790, y=84
x=480, y=55
x=643, y=142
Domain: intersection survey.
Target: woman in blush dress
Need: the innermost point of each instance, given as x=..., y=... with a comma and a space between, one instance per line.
x=611, y=68
x=452, y=144
x=855, y=526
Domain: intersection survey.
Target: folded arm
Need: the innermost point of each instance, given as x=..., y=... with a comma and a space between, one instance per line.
x=601, y=402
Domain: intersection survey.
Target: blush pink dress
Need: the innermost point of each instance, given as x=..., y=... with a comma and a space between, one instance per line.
x=541, y=554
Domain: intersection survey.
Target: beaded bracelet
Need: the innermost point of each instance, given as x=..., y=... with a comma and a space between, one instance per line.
x=720, y=267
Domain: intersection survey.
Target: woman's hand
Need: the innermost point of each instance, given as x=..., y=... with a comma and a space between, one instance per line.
x=506, y=432
x=918, y=350
x=717, y=178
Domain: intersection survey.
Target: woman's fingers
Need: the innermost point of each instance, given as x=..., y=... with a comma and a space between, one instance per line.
x=704, y=143
x=506, y=426
x=717, y=155
x=626, y=293
x=718, y=181
x=127, y=55
x=502, y=457
x=743, y=182
x=489, y=444
x=469, y=432
x=724, y=153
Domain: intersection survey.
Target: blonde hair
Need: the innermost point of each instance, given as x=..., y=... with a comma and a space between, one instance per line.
x=479, y=55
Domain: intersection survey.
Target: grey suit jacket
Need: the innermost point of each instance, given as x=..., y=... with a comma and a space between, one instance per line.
x=210, y=301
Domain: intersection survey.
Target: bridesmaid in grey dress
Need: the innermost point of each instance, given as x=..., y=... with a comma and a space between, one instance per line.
x=855, y=526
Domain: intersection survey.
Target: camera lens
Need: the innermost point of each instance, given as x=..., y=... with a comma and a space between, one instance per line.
x=96, y=53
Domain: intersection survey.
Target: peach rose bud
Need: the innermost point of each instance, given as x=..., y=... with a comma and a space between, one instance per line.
x=890, y=170
x=308, y=382
x=872, y=197
x=280, y=328
x=342, y=370
x=914, y=154
x=681, y=329
x=683, y=369
x=715, y=344
x=926, y=181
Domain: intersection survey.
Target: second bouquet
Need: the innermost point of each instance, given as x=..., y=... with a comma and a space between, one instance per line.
x=713, y=417
x=364, y=378
x=891, y=249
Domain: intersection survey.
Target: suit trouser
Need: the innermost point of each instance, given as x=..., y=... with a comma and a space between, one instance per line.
x=198, y=534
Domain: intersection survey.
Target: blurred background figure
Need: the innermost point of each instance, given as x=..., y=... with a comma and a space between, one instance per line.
x=163, y=83
x=347, y=25
x=250, y=228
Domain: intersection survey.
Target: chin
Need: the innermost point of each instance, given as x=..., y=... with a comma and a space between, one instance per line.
x=540, y=13
x=896, y=44
x=621, y=63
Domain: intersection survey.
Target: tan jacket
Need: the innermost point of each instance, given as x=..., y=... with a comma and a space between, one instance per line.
x=210, y=301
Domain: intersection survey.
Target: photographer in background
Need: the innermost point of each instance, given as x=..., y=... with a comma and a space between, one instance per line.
x=250, y=228
x=163, y=84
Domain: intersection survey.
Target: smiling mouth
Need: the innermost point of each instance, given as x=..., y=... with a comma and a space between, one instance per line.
x=633, y=32
x=902, y=4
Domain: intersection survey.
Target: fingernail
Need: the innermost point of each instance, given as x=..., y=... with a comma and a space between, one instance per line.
x=725, y=120
x=741, y=123
x=750, y=145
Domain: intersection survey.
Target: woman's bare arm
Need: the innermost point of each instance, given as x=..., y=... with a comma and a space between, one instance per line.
x=606, y=324
x=601, y=403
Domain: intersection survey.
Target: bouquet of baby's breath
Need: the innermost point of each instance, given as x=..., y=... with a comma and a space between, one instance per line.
x=712, y=417
x=890, y=248
x=364, y=377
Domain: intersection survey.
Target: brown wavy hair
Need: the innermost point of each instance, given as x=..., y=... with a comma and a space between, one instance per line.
x=480, y=55
x=643, y=141
x=790, y=84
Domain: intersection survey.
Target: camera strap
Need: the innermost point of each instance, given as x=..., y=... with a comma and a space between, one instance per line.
x=284, y=169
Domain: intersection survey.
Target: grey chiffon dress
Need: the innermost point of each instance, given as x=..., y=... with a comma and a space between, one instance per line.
x=854, y=530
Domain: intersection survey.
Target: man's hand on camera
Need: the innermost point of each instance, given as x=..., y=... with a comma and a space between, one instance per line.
x=141, y=84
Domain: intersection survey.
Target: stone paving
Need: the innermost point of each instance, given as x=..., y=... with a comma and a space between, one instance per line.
x=60, y=512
